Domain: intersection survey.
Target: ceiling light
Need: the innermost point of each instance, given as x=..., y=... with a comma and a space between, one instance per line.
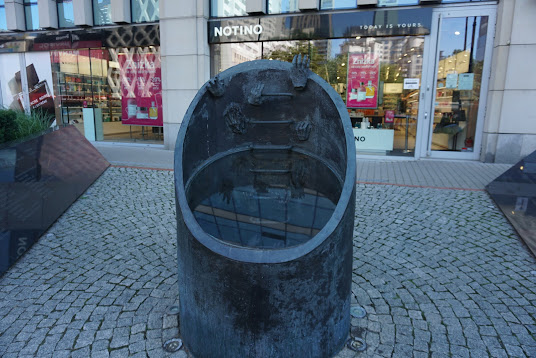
x=456, y=33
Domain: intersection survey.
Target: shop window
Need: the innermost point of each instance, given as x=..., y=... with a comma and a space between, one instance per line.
x=145, y=10
x=282, y=6
x=3, y=24
x=227, y=8
x=397, y=2
x=337, y=4
x=31, y=14
x=102, y=12
x=65, y=13
x=368, y=73
x=122, y=86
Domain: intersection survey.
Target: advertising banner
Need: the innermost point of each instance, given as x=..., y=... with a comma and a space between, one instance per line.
x=141, y=89
x=363, y=79
x=38, y=78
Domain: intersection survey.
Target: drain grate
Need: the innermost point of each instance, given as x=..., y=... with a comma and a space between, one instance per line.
x=173, y=345
x=356, y=344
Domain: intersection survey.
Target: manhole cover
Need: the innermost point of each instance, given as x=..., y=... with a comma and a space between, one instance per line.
x=358, y=312
x=173, y=310
x=356, y=344
x=173, y=345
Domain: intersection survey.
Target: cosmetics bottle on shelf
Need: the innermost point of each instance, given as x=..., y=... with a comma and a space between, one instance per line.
x=153, y=111
x=361, y=92
x=370, y=90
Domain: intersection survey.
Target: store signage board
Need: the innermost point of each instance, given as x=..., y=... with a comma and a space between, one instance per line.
x=465, y=81
x=141, y=90
x=322, y=26
x=363, y=77
x=411, y=83
x=124, y=36
x=389, y=88
x=452, y=80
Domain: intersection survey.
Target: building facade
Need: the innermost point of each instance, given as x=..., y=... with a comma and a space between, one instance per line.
x=444, y=79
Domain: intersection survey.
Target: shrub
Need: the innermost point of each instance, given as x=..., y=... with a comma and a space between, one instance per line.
x=8, y=125
x=36, y=122
x=17, y=125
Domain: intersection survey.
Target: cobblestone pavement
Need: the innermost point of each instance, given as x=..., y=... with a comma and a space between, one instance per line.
x=440, y=272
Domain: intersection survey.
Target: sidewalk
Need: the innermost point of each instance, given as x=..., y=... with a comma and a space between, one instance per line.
x=440, y=272
x=422, y=173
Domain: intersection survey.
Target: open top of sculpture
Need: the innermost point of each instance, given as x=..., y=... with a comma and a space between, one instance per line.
x=265, y=191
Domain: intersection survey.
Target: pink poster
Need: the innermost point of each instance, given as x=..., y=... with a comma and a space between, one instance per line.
x=363, y=77
x=141, y=89
x=389, y=116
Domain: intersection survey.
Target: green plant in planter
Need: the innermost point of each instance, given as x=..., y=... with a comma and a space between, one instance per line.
x=8, y=125
x=36, y=122
x=16, y=124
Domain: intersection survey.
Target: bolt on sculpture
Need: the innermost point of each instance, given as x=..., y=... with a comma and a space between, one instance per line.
x=265, y=194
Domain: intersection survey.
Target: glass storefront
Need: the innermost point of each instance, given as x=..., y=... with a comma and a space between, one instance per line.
x=462, y=43
x=399, y=103
x=120, y=86
x=373, y=76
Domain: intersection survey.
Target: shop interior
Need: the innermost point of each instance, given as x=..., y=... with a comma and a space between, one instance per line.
x=91, y=78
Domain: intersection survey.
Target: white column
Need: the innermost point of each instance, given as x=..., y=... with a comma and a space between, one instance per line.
x=185, y=59
x=48, y=14
x=510, y=124
x=83, y=12
x=15, y=15
x=121, y=11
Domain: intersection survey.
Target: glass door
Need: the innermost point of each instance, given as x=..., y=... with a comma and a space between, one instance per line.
x=457, y=96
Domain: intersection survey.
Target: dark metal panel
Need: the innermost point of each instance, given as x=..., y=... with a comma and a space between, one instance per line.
x=39, y=179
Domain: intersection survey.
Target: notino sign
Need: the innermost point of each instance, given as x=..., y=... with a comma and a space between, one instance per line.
x=313, y=26
x=237, y=30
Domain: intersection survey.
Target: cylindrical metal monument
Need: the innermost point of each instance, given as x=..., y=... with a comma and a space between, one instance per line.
x=265, y=193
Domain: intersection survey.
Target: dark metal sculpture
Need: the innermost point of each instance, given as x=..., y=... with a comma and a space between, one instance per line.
x=265, y=193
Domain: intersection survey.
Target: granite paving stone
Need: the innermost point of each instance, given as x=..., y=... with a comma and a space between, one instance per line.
x=440, y=272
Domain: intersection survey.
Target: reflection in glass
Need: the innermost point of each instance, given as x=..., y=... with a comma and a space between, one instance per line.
x=65, y=13
x=3, y=22
x=462, y=44
x=337, y=4
x=91, y=78
x=282, y=6
x=145, y=10
x=229, y=55
x=227, y=8
x=397, y=2
x=393, y=118
x=102, y=12
x=259, y=199
x=31, y=14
